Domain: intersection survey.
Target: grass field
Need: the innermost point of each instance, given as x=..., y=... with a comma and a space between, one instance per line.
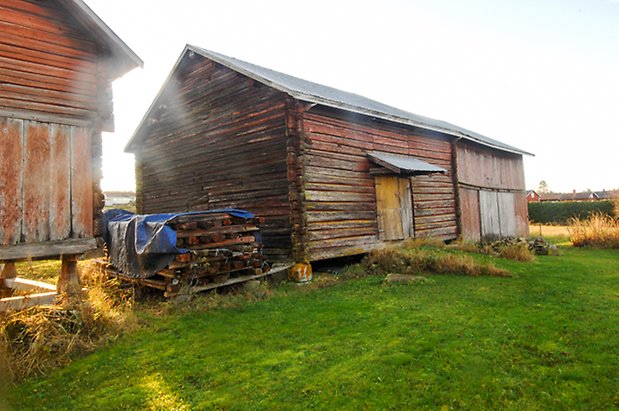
x=546, y=339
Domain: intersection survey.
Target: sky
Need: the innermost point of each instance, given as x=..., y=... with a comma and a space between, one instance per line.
x=541, y=75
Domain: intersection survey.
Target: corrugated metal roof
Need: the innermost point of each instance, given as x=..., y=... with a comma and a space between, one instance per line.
x=329, y=96
x=403, y=164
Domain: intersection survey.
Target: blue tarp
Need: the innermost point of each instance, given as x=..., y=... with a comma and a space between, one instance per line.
x=141, y=245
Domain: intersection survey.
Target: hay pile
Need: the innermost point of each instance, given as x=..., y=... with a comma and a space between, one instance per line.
x=36, y=340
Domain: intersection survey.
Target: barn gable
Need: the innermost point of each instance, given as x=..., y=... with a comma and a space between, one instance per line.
x=212, y=139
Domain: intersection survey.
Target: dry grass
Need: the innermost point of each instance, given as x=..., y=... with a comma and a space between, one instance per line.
x=517, y=252
x=549, y=230
x=418, y=261
x=36, y=340
x=599, y=231
x=423, y=242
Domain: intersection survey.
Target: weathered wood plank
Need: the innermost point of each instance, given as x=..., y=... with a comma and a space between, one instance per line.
x=60, y=183
x=507, y=214
x=470, y=217
x=35, y=226
x=25, y=284
x=489, y=212
x=81, y=183
x=46, y=249
x=11, y=149
x=32, y=300
x=389, y=208
x=522, y=214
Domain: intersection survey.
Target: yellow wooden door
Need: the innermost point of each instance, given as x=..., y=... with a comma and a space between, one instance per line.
x=393, y=207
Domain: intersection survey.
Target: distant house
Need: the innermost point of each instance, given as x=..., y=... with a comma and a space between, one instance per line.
x=116, y=198
x=333, y=173
x=607, y=194
x=533, y=197
x=573, y=196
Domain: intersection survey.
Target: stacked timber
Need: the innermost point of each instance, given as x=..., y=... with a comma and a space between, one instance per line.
x=222, y=250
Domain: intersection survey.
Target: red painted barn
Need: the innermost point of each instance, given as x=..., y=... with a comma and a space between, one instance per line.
x=334, y=173
x=57, y=62
x=533, y=197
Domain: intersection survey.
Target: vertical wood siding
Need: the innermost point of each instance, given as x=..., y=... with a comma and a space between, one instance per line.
x=470, y=216
x=217, y=140
x=11, y=176
x=47, y=193
x=81, y=183
x=35, y=223
x=339, y=190
x=489, y=168
x=492, y=197
x=60, y=182
x=394, y=207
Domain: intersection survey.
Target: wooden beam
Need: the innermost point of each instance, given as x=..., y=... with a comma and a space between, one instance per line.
x=48, y=249
x=231, y=281
x=45, y=118
x=19, y=303
x=26, y=285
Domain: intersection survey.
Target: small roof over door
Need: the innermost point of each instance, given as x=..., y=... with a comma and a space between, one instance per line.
x=405, y=165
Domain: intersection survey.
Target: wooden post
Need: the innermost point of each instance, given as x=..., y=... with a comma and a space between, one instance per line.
x=455, y=178
x=69, y=281
x=8, y=272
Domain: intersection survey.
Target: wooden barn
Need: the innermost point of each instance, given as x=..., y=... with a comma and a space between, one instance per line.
x=334, y=173
x=57, y=62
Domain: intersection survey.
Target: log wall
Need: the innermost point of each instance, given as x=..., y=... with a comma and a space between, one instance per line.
x=339, y=189
x=55, y=99
x=49, y=67
x=217, y=139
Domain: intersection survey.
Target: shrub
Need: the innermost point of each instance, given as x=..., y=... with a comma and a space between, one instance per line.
x=599, y=230
x=562, y=212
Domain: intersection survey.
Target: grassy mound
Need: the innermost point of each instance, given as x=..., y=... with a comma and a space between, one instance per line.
x=406, y=260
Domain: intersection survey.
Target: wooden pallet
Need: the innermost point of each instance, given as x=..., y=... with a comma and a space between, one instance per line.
x=174, y=288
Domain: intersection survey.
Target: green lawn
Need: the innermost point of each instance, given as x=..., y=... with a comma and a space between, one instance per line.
x=546, y=339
